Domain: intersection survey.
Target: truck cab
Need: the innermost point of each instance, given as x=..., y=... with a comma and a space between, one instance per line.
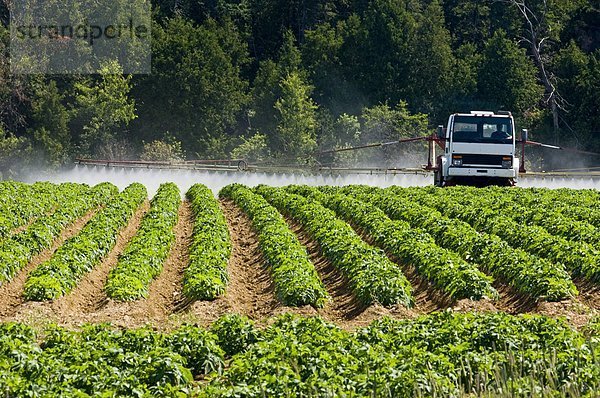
x=479, y=149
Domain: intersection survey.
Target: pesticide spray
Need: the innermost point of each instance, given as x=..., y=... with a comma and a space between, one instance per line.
x=215, y=180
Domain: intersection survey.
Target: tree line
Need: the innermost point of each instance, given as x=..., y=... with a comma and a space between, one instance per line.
x=279, y=80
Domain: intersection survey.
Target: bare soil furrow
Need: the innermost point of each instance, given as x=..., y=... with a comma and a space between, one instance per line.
x=250, y=290
x=89, y=295
x=165, y=290
x=427, y=297
x=343, y=305
x=12, y=292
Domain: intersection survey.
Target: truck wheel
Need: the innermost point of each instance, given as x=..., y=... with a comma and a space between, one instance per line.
x=438, y=180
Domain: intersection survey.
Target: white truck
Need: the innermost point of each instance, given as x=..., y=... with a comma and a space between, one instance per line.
x=479, y=149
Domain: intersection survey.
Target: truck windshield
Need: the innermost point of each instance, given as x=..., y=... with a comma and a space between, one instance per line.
x=483, y=129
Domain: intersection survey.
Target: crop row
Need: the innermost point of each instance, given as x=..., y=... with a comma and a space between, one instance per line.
x=528, y=274
x=444, y=269
x=21, y=203
x=206, y=276
x=523, y=206
x=371, y=275
x=17, y=250
x=578, y=257
x=80, y=254
x=296, y=280
x=143, y=258
x=571, y=214
x=443, y=354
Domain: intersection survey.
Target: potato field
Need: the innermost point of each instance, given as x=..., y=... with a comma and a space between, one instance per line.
x=298, y=291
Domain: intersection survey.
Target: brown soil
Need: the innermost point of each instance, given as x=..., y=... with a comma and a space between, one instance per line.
x=250, y=290
x=344, y=309
x=12, y=292
x=164, y=291
x=574, y=311
x=589, y=293
x=78, y=306
x=89, y=295
x=343, y=305
x=511, y=301
x=427, y=297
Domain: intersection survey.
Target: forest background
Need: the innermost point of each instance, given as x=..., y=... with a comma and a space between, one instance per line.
x=279, y=80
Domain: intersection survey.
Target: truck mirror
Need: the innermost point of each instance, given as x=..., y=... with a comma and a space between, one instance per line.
x=524, y=135
x=440, y=132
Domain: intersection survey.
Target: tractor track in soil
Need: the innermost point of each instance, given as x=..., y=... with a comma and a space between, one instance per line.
x=12, y=292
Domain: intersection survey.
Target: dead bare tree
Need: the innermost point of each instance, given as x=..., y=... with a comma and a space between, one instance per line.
x=536, y=36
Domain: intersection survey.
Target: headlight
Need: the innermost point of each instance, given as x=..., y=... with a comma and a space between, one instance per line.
x=507, y=162
x=456, y=161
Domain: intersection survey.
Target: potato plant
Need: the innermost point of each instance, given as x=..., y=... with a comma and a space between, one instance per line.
x=446, y=270
x=528, y=274
x=371, y=275
x=80, y=254
x=206, y=275
x=442, y=354
x=578, y=257
x=296, y=281
x=143, y=259
x=22, y=203
x=17, y=250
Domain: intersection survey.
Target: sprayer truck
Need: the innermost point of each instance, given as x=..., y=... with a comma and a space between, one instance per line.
x=479, y=149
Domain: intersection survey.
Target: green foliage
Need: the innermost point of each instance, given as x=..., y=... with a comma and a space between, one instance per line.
x=199, y=348
x=372, y=276
x=105, y=106
x=21, y=203
x=507, y=78
x=528, y=274
x=413, y=247
x=235, y=333
x=342, y=132
x=206, y=276
x=163, y=150
x=581, y=79
x=14, y=153
x=98, y=360
x=200, y=64
x=143, y=258
x=383, y=123
x=220, y=67
x=75, y=200
x=254, y=149
x=81, y=253
x=440, y=354
x=51, y=118
x=283, y=107
x=296, y=280
x=296, y=118
x=443, y=354
x=527, y=231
